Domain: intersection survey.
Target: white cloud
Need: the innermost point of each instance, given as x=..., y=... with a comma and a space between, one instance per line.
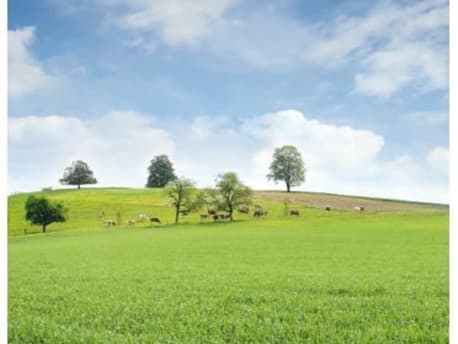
x=396, y=46
x=203, y=127
x=178, y=22
x=438, y=158
x=119, y=145
x=428, y=117
x=342, y=159
x=25, y=74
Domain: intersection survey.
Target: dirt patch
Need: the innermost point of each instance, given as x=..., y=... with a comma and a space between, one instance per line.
x=341, y=202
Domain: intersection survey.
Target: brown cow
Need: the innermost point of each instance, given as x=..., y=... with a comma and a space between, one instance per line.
x=109, y=223
x=243, y=209
x=294, y=212
x=328, y=208
x=211, y=211
x=154, y=219
x=130, y=222
x=259, y=212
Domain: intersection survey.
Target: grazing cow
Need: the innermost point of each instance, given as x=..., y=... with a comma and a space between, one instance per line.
x=211, y=211
x=131, y=222
x=259, y=212
x=358, y=208
x=143, y=217
x=109, y=222
x=155, y=219
x=244, y=209
x=184, y=212
x=328, y=208
x=294, y=212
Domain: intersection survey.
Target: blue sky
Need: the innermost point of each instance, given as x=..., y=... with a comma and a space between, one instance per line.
x=361, y=88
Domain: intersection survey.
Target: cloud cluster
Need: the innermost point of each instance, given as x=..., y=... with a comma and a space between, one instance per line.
x=25, y=73
x=391, y=46
x=119, y=145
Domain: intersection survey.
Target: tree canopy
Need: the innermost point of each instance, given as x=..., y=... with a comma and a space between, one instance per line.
x=40, y=211
x=231, y=193
x=160, y=172
x=183, y=196
x=78, y=174
x=287, y=165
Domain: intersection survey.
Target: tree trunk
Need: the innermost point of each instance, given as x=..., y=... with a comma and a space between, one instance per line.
x=230, y=213
x=177, y=215
x=44, y=228
x=79, y=186
x=288, y=187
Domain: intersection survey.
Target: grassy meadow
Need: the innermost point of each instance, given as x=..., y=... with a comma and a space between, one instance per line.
x=324, y=277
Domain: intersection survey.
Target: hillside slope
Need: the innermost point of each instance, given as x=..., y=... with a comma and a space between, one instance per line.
x=87, y=205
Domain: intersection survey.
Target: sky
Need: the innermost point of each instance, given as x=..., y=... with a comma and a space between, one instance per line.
x=359, y=87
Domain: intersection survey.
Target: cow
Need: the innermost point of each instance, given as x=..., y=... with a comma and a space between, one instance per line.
x=327, y=208
x=131, y=222
x=294, y=212
x=154, y=219
x=143, y=217
x=109, y=222
x=211, y=211
x=259, y=212
x=243, y=209
x=358, y=208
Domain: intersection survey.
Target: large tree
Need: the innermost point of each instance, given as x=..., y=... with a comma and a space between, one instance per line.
x=160, y=172
x=231, y=193
x=183, y=196
x=40, y=211
x=287, y=165
x=78, y=174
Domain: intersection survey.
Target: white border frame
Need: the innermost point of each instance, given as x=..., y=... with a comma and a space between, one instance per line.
x=3, y=173
x=453, y=144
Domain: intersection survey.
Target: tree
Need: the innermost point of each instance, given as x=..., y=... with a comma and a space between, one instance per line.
x=183, y=196
x=78, y=174
x=41, y=211
x=231, y=193
x=160, y=172
x=287, y=165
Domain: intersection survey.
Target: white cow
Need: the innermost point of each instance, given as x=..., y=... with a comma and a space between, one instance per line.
x=143, y=217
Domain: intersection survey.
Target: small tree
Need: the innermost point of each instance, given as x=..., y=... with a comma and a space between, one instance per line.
x=78, y=174
x=41, y=211
x=287, y=165
x=160, y=172
x=231, y=193
x=183, y=196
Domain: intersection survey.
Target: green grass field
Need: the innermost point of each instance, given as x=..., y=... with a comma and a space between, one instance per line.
x=325, y=277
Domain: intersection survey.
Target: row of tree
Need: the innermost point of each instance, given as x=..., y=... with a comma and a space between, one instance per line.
x=229, y=192
x=287, y=166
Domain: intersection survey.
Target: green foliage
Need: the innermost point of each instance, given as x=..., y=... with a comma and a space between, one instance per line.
x=40, y=211
x=160, y=172
x=332, y=277
x=78, y=174
x=183, y=196
x=287, y=165
x=230, y=193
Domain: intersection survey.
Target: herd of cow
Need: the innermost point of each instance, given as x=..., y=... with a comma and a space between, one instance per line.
x=212, y=213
